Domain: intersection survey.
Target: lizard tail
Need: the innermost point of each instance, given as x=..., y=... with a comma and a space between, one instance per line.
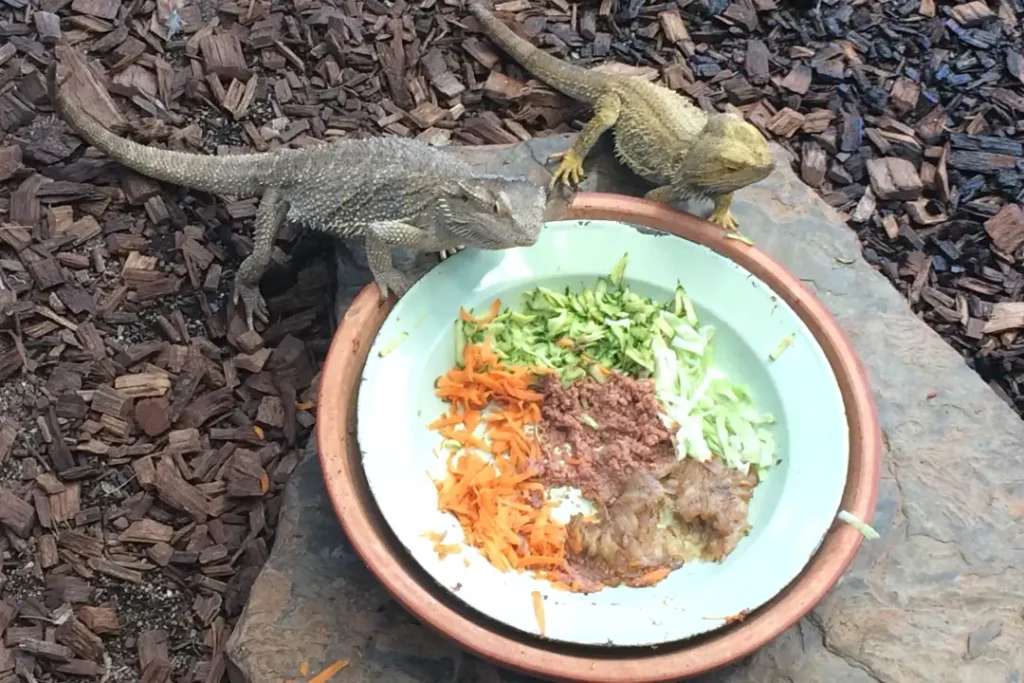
x=229, y=175
x=569, y=79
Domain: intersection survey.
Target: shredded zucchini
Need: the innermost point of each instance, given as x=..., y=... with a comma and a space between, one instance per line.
x=866, y=530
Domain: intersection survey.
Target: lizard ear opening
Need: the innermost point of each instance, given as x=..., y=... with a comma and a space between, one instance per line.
x=503, y=204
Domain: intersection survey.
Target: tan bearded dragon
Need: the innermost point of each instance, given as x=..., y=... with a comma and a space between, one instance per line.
x=389, y=191
x=664, y=138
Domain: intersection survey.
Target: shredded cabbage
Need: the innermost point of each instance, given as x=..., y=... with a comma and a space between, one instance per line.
x=714, y=414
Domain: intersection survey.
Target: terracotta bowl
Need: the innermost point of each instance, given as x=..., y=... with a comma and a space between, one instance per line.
x=413, y=588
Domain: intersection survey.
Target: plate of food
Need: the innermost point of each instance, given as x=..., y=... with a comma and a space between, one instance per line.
x=614, y=437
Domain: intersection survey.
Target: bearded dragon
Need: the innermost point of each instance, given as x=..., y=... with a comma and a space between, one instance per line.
x=389, y=191
x=686, y=152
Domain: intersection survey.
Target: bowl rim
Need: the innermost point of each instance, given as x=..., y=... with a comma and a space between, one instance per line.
x=354, y=507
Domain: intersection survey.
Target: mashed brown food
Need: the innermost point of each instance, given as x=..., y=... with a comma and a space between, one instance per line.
x=654, y=513
x=594, y=435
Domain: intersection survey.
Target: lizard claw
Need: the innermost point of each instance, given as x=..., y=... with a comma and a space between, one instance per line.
x=724, y=218
x=569, y=169
x=448, y=253
x=395, y=282
x=252, y=301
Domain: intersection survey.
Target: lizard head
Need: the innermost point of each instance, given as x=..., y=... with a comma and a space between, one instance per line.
x=730, y=154
x=493, y=212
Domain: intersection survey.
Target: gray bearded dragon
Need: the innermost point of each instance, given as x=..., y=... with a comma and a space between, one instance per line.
x=389, y=191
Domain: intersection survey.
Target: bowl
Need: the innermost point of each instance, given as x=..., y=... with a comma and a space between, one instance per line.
x=416, y=590
x=793, y=505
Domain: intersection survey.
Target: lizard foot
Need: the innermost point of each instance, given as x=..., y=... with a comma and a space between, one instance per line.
x=723, y=217
x=569, y=169
x=448, y=253
x=252, y=301
x=393, y=281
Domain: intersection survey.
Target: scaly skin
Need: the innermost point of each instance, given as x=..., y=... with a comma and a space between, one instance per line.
x=421, y=197
x=664, y=138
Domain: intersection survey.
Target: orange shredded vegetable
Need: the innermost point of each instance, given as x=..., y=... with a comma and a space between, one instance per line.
x=328, y=673
x=442, y=549
x=491, y=314
x=538, y=610
x=652, y=577
x=493, y=497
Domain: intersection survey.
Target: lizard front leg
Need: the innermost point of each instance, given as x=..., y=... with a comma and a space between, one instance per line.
x=381, y=236
x=570, y=168
x=269, y=217
x=721, y=213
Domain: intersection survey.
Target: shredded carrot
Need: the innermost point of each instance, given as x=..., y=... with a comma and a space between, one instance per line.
x=491, y=314
x=329, y=672
x=443, y=550
x=652, y=577
x=446, y=420
x=739, y=616
x=489, y=485
x=538, y=610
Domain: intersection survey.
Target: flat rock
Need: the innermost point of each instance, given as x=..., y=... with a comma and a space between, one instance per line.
x=936, y=598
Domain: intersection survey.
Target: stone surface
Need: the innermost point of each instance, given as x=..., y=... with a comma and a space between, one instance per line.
x=936, y=599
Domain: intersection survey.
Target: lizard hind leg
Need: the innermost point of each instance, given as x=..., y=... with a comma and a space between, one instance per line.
x=269, y=217
x=570, y=168
x=662, y=195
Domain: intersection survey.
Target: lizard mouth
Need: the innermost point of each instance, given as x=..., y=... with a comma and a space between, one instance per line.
x=731, y=182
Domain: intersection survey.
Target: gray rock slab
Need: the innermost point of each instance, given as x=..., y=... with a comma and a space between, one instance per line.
x=939, y=598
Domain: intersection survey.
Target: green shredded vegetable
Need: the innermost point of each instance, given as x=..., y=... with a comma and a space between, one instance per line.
x=592, y=331
x=612, y=328
x=865, y=529
x=739, y=238
x=783, y=345
x=393, y=344
x=715, y=415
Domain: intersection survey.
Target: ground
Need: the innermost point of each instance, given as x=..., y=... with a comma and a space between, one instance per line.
x=146, y=435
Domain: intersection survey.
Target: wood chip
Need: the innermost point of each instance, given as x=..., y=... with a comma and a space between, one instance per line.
x=1006, y=228
x=894, y=178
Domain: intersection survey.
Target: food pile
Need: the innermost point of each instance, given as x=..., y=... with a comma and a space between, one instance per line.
x=612, y=396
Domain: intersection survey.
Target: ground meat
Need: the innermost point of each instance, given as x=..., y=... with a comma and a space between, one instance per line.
x=654, y=513
x=629, y=436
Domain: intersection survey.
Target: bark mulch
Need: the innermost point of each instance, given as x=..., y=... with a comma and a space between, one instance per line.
x=145, y=434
